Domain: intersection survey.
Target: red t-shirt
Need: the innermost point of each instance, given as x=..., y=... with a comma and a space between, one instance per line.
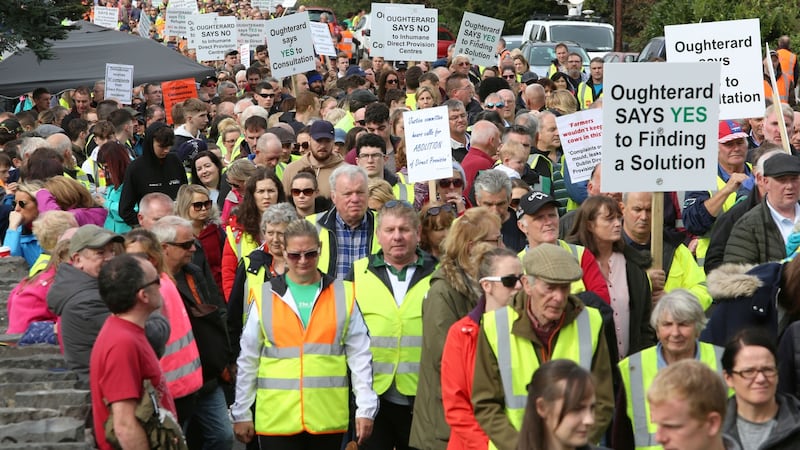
x=121, y=360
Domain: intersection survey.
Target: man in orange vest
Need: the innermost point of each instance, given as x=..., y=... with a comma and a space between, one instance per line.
x=785, y=85
x=788, y=60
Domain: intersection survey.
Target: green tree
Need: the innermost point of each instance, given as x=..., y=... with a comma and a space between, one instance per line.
x=36, y=22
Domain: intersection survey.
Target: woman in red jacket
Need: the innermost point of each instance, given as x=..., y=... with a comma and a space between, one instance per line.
x=195, y=204
x=499, y=272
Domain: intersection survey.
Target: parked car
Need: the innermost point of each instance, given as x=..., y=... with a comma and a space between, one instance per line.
x=445, y=39
x=514, y=41
x=656, y=48
x=315, y=11
x=616, y=57
x=361, y=33
x=541, y=54
x=596, y=38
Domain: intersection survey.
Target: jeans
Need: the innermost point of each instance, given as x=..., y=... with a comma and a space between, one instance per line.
x=210, y=417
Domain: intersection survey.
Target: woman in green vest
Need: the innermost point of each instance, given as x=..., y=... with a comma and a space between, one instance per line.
x=560, y=410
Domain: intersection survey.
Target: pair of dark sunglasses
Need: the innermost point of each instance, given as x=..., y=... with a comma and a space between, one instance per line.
x=436, y=210
x=298, y=146
x=199, y=206
x=307, y=192
x=508, y=281
x=184, y=245
x=297, y=256
x=447, y=182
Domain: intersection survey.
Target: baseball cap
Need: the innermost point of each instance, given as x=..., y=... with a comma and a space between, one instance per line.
x=92, y=236
x=232, y=52
x=533, y=202
x=208, y=79
x=400, y=65
x=730, y=130
x=340, y=136
x=355, y=70
x=10, y=127
x=552, y=264
x=189, y=149
x=781, y=164
x=321, y=129
x=529, y=77
x=284, y=135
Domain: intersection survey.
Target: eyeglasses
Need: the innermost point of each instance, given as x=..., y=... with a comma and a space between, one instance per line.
x=508, y=281
x=495, y=105
x=397, y=203
x=392, y=81
x=307, y=192
x=184, y=245
x=463, y=63
x=157, y=282
x=448, y=182
x=436, y=210
x=371, y=155
x=751, y=373
x=297, y=256
x=496, y=240
x=298, y=146
x=22, y=204
x=199, y=206
x=265, y=95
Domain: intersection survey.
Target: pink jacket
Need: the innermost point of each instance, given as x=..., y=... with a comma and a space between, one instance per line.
x=97, y=215
x=27, y=302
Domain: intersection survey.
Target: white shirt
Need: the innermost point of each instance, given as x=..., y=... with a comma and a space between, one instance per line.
x=785, y=224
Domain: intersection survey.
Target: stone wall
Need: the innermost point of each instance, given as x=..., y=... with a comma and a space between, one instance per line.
x=40, y=405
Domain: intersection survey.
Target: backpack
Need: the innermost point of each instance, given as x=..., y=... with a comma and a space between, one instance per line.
x=161, y=427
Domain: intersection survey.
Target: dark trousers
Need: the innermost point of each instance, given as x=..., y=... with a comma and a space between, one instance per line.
x=302, y=441
x=391, y=429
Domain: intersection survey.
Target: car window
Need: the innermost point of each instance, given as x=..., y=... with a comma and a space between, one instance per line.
x=591, y=38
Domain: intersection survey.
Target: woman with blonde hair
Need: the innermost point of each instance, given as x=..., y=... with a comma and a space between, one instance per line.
x=235, y=177
x=194, y=204
x=562, y=101
x=379, y=192
x=453, y=293
x=230, y=140
x=427, y=97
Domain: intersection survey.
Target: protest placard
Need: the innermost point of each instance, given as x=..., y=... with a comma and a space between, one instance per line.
x=244, y=54
x=253, y=32
x=736, y=44
x=404, y=32
x=119, y=82
x=291, y=49
x=477, y=38
x=581, y=136
x=660, y=127
x=184, y=4
x=428, y=144
x=144, y=26
x=175, y=23
x=106, y=17
x=177, y=91
x=323, y=42
x=213, y=35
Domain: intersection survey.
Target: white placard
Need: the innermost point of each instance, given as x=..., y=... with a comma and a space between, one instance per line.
x=262, y=5
x=477, y=38
x=211, y=35
x=175, y=23
x=581, y=136
x=106, y=17
x=144, y=26
x=660, y=127
x=119, y=82
x=736, y=44
x=244, y=54
x=291, y=49
x=184, y=4
x=253, y=32
x=428, y=144
x=404, y=32
x=323, y=42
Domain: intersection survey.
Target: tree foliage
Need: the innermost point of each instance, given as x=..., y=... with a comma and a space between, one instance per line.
x=36, y=22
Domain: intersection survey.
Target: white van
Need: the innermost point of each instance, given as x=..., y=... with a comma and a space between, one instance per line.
x=596, y=38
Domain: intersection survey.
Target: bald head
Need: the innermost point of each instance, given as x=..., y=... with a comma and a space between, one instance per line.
x=534, y=97
x=268, y=151
x=486, y=137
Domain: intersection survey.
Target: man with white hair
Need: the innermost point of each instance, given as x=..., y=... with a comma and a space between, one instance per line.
x=63, y=146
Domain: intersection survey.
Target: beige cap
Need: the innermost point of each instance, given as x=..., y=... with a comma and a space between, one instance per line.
x=552, y=264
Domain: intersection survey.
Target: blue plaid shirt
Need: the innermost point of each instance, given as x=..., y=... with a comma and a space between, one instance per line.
x=352, y=244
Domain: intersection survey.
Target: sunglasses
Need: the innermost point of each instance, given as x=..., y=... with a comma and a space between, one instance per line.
x=297, y=256
x=509, y=77
x=395, y=203
x=199, y=206
x=184, y=245
x=157, y=282
x=495, y=105
x=307, y=192
x=266, y=95
x=392, y=81
x=515, y=202
x=22, y=204
x=448, y=182
x=436, y=210
x=508, y=281
x=298, y=146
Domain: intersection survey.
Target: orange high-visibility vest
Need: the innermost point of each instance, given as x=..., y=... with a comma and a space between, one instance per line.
x=787, y=60
x=181, y=361
x=784, y=86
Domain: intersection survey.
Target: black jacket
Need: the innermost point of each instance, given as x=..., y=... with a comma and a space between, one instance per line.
x=147, y=174
x=723, y=227
x=257, y=259
x=208, y=317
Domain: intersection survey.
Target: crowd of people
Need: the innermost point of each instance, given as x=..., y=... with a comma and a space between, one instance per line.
x=263, y=262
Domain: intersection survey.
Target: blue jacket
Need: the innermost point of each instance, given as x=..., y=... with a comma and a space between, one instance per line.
x=23, y=244
x=114, y=221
